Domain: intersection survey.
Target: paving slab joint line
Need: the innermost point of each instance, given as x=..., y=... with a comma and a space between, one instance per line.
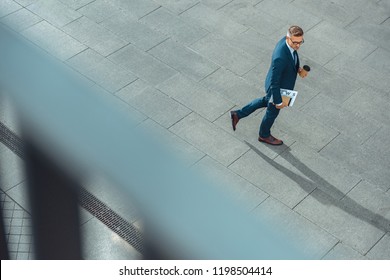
x=179, y=120
x=14, y=201
x=346, y=194
x=263, y=1
x=184, y=140
x=125, y=86
x=286, y=149
x=88, y=48
x=348, y=24
x=330, y=250
x=60, y=27
x=150, y=12
x=14, y=12
x=338, y=133
x=350, y=97
x=318, y=226
x=83, y=5
x=245, y=179
x=197, y=3
x=339, y=53
x=384, y=21
x=268, y=196
x=242, y=76
x=383, y=236
x=310, y=28
x=356, y=81
x=208, y=75
x=306, y=196
x=198, y=160
x=206, y=58
x=157, y=46
x=200, y=38
x=373, y=135
x=119, y=50
x=226, y=5
x=114, y=50
x=156, y=58
x=330, y=60
x=369, y=54
x=237, y=160
x=23, y=6
x=115, y=92
x=79, y=73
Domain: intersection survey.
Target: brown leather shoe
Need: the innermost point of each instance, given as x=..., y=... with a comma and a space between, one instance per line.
x=235, y=119
x=271, y=140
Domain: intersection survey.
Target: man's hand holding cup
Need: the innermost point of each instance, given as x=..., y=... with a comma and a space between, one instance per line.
x=303, y=71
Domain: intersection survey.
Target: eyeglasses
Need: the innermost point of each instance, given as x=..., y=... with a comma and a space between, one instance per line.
x=297, y=43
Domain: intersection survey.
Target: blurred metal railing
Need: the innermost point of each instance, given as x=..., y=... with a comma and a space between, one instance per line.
x=100, y=210
x=69, y=130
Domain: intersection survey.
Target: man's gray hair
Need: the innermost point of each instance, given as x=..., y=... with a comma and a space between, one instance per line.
x=295, y=30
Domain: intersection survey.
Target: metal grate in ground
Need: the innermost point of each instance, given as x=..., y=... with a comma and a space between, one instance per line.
x=112, y=220
x=11, y=140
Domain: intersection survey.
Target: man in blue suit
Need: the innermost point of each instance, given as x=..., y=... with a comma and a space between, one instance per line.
x=281, y=74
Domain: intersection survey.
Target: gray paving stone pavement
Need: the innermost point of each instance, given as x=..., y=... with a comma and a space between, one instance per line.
x=213, y=21
x=256, y=168
x=177, y=28
x=155, y=104
x=314, y=241
x=233, y=87
x=21, y=19
x=54, y=12
x=348, y=222
x=208, y=103
x=53, y=40
x=100, y=10
x=207, y=137
x=179, y=67
x=240, y=189
x=8, y=7
x=94, y=36
x=339, y=118
x=144, y=65
x=219, y=50
x=182, y=149
x=96, y=67
x=128, y=28
x=183, y=59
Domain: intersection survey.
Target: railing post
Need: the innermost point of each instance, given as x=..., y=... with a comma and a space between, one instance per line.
x=54, y=206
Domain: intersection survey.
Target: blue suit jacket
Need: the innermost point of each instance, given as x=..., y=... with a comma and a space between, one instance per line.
x=282, y=72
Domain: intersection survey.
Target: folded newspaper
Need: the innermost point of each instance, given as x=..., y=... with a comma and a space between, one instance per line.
x=288, y=96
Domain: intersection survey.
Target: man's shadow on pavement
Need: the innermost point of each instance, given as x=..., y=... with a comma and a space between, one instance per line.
x=328, y=194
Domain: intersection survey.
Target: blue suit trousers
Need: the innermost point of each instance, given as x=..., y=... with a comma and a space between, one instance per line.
x=269, y=118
